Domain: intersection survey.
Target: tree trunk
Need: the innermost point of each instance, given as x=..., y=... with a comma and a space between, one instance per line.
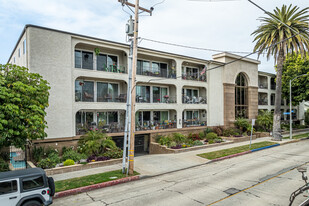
x=277, y=114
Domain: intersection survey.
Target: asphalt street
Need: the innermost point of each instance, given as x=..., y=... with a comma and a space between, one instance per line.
x=267, y=177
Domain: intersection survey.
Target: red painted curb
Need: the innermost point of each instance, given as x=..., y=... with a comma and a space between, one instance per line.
x=230, y=156
x=93, y=187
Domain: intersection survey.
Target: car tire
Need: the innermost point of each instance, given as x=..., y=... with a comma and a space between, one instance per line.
x=51, y=185
x=32, y=203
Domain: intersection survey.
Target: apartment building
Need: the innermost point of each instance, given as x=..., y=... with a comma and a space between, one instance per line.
x=266, y=98
x=88, y=78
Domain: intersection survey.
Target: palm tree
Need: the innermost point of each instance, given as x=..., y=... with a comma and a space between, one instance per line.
x=285, y=23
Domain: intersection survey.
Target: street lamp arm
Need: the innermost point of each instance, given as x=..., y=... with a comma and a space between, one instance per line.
x=298, y=76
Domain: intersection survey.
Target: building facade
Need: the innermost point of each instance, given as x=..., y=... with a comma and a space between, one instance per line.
x=88, y=78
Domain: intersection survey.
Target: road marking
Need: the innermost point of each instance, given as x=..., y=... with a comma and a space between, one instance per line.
x=256, y=184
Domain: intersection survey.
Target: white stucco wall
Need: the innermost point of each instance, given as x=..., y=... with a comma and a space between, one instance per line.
x=50, y=54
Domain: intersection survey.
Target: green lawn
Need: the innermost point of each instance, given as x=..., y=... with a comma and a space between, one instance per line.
x=89, y=180
x=298, y=136
x=234, y=150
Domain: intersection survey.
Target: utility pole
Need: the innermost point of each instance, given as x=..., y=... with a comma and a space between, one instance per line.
x=132, y=93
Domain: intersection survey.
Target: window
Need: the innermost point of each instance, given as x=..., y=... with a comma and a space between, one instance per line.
x=107, y=63
x=84, y=91
x=33, y=183
x=24, y=46
x=151, y=69
x=241, y=96
x=142, y=118
x=8, y=187
x=159, y=94
x=19, y=52
x=107, y=92
x=160, y=116
x=106, y=118
x=143, y=94
x=83, y=60
x=14, y=59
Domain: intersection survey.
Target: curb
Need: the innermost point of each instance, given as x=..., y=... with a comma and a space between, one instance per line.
x=93, y=187
x=261, y=148
x=231, y=156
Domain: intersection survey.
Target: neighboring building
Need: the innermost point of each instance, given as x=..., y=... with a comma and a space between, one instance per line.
x=173, y=91
x=267, y=89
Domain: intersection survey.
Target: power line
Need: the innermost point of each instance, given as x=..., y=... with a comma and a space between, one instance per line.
x=191, y=47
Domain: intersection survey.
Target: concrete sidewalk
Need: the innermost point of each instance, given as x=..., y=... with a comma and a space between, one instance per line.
x=151, y=165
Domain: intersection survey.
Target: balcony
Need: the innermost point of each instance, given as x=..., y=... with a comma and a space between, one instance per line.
x=194, y=100
x=113, y=69
x=194, y=76
x=155, y=94
x=103, y=121
x=155, y=69
x=193, y=123
x=262, y=100
x=263, y=82
x=155, y=125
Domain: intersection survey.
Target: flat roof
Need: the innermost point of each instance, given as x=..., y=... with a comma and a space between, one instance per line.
x=99, y=39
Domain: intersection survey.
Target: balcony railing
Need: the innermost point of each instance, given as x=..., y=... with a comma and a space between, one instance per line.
x=263, y=86
x=110, y=98
x=114, y=69
x=155, y=125
x=193, y=123
x=113, y=127
x=194, y=77
x=194, y=100
x=166, y=99
x=164, y=73
x=263, y=102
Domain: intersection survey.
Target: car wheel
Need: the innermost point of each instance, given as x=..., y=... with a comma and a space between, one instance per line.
x=32, y=203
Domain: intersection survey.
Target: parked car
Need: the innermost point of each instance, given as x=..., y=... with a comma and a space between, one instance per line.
x=29, y=187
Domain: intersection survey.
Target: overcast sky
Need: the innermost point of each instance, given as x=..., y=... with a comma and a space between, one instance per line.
x=224, y=26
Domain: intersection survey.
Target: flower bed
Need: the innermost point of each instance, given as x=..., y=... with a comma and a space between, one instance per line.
x=93, y=147
x=178, y=141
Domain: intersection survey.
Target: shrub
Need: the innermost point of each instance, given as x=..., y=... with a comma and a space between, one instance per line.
x=179, y=138
x=173, y=144
x=207, y=130
x=37, y=153
x=265, y=120
x=95, y=143
x=231, y=132
x=91, y=158
x=64, y=149
x=46, y=163
x=197, y=142
x=242, y=124
x=194, y=137
x=114, y=153
x=165, y=140
x=51, y=150
x=4, y=165
x=103, y=158
x=211, y=141
x=211, y=136
x=218, y=140
x=71, y=154
x=218, y=131
x=202, y=135
x=68, y=162
x=307, y=117
x=54, y=158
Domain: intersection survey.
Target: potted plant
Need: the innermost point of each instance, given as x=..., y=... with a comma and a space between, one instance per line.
x=97, y=51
